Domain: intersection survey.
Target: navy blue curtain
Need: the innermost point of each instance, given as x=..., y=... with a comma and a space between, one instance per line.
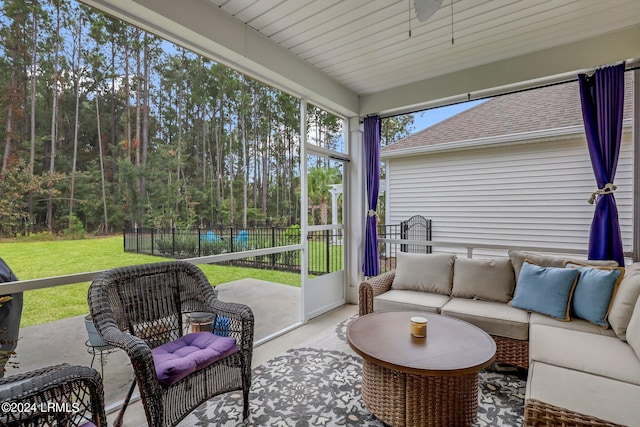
x=371, y=265
x=602, y=96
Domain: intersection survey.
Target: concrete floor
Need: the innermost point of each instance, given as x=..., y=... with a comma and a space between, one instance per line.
x=275, y=307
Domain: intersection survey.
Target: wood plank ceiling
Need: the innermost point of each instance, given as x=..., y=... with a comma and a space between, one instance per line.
x=365, y=44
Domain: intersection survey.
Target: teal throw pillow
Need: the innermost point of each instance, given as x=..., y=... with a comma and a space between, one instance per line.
x=592, y=297
x=545, y=290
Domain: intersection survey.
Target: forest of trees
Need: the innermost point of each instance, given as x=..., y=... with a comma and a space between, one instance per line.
x=106, y=126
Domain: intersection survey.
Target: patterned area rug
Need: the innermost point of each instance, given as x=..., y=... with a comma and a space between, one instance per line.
x=319, y=385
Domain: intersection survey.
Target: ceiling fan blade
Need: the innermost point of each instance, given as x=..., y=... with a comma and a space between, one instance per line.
x=426, y=8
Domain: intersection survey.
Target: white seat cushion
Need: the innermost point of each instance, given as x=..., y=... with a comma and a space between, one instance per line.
x=597, y=354
x=495, y=318
x=574, y=325
x=395, y=300
x=585, y=393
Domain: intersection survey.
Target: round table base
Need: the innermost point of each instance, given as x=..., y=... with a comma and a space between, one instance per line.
x=401, y=399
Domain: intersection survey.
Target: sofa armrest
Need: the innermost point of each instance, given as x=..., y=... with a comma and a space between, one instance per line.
x=371, y=288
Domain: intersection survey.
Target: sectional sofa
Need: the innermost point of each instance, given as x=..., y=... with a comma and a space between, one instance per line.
x=575, y=325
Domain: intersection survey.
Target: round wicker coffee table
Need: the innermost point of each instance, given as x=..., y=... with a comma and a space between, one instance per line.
x=432, y=381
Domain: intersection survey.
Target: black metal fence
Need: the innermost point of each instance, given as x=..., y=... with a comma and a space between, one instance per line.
x=325, y=247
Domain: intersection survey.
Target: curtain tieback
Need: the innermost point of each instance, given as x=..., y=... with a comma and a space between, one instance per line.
x=372, y=213
x=609, y=188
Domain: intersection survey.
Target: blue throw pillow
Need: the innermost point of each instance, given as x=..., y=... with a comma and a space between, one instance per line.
x=222, y=326
x=545, y=290
x=593, y=294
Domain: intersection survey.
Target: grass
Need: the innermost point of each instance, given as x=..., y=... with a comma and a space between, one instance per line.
x=32, y=260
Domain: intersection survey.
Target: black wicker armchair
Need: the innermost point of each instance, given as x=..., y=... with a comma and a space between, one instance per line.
x=143, y=307
x=60, y=395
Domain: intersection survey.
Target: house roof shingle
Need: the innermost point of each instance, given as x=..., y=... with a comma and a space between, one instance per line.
x=549, y=107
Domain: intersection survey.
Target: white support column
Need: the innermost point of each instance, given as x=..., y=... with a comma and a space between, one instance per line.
x=304, y=209
x=387, y=204
x=355, y=205
x=636, y=165
x=335, y=191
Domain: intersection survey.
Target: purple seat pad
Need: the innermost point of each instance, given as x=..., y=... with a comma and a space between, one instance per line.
x=177, y=359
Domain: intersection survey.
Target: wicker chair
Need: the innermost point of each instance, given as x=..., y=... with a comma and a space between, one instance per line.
x=141, y=307
x=61, y=395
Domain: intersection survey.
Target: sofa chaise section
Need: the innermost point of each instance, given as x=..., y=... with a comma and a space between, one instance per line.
x=596, y=376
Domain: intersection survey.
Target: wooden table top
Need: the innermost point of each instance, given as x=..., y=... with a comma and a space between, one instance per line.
x=452, y=347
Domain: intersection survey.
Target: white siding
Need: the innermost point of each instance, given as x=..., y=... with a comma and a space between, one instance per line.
x=532, y=195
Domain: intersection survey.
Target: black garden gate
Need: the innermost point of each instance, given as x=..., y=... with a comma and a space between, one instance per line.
x=416, y=228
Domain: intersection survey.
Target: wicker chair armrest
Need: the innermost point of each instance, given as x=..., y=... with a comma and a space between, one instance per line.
x=138, y=351
x=62, y=384
x=241, y=315
x=373, y=287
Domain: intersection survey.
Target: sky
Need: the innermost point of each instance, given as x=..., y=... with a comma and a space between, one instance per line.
x=424, y=119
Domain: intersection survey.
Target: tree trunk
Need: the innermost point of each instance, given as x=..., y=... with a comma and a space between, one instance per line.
x=9, y=123
x=138, y=100
x=76, y=123
x=219, y=160
x=127, y=91
x=145, y=121
x=54, y=116
x=212, y=175
x=179, y=120
x=203, y=144
x=265, y=166
x=138, y=134
x=101, y=156
x=32, y=138
x=245, y=172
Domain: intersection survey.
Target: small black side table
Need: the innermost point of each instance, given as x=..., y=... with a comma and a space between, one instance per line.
x=101, y=351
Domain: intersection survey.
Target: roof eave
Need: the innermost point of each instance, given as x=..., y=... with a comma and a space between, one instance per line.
x=492, y=141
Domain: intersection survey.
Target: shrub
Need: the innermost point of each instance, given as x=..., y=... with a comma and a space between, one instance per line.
x=75, y=229
x=42, y=236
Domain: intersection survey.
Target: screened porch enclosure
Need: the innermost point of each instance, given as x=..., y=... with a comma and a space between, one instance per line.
x=297, y=49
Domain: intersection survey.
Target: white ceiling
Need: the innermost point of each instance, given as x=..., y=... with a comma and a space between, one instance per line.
x=365, y=44
x=356, y=56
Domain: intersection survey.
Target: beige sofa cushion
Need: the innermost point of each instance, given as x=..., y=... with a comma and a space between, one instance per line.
x=495, y=318
x=518, y=257
x=597, y=354
x=625, y=300
x=585, y=393
x=490, y=279
x=574, y=325
x=397, y=300
x=633, y=330
x=424, y=272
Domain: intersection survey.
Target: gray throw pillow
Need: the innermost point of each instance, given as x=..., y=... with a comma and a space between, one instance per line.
x=490, y=279
x=518, y=257
x=424, y=272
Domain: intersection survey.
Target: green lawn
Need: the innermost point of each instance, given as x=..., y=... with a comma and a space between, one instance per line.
x=31, y=260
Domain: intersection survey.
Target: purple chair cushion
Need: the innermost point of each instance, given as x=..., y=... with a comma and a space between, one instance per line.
x=177, y=359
